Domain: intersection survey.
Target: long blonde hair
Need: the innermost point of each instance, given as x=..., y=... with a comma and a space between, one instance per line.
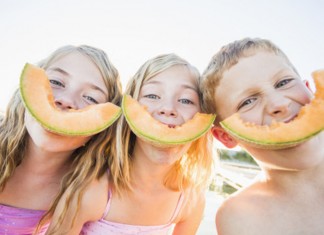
x=191, y=170
x=89, y=161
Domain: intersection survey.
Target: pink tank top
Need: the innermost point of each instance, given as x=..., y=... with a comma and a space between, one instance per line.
x=104, y=227
x=20, y=221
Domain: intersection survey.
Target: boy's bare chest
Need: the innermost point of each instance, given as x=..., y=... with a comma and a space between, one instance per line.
x=291, y=218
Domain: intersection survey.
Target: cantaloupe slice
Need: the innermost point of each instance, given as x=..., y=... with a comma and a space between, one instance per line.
x=146, y=127
x=308, y=123
x=37, y=96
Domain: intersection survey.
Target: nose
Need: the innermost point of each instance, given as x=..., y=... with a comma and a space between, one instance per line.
x=278, y=106
x=168, y=109
x=65, y=104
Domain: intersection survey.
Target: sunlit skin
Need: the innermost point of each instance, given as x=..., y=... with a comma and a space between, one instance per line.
x=273, y=92
x=157, y=188
x=76, y=83
x=171, y=97
x=285, y=199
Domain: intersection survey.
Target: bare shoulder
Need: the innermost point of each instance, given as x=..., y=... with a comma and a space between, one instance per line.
x=191, y=213
x=91, y=208
x=95, y=198
x=193, y=202
x=242, y=212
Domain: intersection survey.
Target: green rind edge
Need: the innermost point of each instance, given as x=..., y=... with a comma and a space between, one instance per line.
x=155, y=139
x=268, y=145
x=55, y=129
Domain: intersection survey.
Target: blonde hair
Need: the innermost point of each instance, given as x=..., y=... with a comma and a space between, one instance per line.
x=89, y=161
x=191, y=170
x=225, y=58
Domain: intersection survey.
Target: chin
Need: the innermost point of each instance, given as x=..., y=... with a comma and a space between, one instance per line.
x=51, y=142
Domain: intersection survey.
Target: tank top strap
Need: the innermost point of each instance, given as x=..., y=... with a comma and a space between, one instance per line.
x=108, y=204
x=178, y=207
x=108, y=201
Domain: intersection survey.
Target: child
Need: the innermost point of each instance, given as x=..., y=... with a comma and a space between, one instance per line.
x=255, y=78
x=154, y=190
x=36, y=166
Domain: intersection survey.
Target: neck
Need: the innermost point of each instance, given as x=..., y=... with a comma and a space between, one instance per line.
x=290, y=180
x=41, y=162
x=147, y=169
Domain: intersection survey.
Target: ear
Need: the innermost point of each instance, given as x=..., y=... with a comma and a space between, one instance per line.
x=307, y=84
x=221, y=135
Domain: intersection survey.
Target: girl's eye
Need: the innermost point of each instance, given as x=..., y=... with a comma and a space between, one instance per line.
x=246, y=102
x=185, y=101
x=151, y=96
x=283, y=83
x=92, y=100
x=56, y=83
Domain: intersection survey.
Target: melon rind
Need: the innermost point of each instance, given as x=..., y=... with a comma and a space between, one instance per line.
x=151, y=130
x=38, y=99
x=308, y=123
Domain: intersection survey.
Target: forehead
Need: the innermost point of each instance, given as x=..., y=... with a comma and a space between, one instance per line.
x=253, y=71
x=78, y=66
x=72, y=60
x=175, y=74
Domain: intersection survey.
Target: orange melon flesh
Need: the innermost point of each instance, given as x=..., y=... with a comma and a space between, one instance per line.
x=37, y=96
x=278, y=135
x=146, y=127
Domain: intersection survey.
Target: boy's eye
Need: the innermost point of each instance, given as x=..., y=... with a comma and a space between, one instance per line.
x=283, y=83
x=56, y=83
x=92, y=100
x=247, y=102
x=185, y=101
x=151, y=96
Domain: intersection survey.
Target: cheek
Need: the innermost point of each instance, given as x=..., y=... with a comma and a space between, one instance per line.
x=303, y=94
x=306, y=97
x=32, y=125
x=189, y=113
x=253, y=116
x=149, y=107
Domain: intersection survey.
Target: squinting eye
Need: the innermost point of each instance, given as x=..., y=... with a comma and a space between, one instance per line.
x=185, y=101
x=246, y=102
x=56, y=83
x=92, y=100
x=283, y=83
x=151, y=96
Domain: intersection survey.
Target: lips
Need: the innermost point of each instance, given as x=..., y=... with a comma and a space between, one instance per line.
x=290, y=119
x=169, y=125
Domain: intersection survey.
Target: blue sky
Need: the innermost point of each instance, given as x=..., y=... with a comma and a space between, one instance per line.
x=133, y=31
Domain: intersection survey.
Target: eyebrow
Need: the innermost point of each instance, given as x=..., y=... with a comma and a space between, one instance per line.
x=57, y=69
x=248, y=92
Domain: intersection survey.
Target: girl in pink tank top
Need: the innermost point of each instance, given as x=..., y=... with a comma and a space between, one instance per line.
x=104, y=227
x=36, y=165
x=152, y=188
x=18, y=221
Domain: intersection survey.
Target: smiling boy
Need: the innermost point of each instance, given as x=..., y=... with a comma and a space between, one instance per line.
x=256, y=79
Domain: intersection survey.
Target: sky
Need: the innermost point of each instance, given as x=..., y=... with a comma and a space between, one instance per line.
x=132, y=32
